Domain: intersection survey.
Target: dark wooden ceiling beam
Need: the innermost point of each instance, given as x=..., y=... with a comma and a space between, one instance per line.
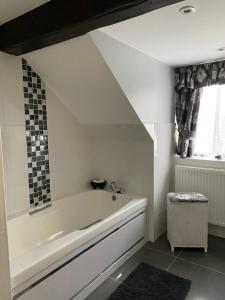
x=60, y=20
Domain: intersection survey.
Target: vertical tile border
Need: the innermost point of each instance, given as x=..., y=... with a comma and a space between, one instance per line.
x=36, y=136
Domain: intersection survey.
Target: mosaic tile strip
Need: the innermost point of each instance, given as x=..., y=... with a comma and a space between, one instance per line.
x=36, y=136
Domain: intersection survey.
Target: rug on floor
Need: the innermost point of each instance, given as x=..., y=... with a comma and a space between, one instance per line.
x=150, y=283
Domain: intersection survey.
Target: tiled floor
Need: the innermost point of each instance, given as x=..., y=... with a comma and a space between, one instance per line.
x=206, y=270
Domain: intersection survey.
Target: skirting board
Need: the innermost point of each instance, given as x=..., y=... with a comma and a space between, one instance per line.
x=213, y=230
x=217, y=230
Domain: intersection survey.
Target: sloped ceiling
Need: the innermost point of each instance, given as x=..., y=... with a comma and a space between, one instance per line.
x=78, y=74
x=147, y=83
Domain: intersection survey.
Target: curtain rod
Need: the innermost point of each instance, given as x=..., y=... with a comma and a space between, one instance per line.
x=212, y=61
x=200, y=63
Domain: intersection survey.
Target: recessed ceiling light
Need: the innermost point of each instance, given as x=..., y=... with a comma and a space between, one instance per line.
x=186, y=10
x=220, y=49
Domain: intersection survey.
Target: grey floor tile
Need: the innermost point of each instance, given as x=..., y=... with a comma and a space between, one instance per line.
x=145, y=255
x=163, y=245
x=191, y=263
x=206, y=284
x=104, y=290
x=214, y=259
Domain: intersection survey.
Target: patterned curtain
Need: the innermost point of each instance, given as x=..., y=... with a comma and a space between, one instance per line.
x=189, y=82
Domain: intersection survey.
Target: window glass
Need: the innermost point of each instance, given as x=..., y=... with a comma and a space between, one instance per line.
x=210, y=138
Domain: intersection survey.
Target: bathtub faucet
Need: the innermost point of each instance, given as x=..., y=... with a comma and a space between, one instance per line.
x=115, y=189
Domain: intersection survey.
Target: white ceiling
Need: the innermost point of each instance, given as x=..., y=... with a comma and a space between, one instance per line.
x=177, y=39
x=10, y=9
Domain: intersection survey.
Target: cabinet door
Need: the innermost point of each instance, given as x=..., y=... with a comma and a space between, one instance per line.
x=69, y=280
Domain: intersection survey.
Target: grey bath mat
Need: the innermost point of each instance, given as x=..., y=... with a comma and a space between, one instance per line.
x=149, y=283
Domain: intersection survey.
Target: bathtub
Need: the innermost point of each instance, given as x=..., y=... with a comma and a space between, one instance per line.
x=72, y=244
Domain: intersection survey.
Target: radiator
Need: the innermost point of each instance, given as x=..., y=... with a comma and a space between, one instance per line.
x=210, y=182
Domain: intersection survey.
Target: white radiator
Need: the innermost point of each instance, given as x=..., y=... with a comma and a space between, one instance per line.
x=210, y=182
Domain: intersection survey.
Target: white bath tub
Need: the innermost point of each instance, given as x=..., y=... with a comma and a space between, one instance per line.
x=40, y=243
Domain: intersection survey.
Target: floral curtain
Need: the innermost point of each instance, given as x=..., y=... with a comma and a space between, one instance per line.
x=189, y=82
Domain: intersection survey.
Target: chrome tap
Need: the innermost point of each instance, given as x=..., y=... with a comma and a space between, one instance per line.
x=114, y=188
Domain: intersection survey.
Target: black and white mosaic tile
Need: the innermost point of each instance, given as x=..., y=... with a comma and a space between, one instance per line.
x=36, y=136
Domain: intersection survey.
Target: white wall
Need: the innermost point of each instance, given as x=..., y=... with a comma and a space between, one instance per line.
x=125, y=159
x=146, y=82
x=14, y=136
x=69, y=145
x=148, y=85
x=5, y=285
x=80, y=77
x=129, y=162
x=78, y=148
x=163, y=172
x=70, y=150
x=122, y=150
x=79, y=152
x=5, y=282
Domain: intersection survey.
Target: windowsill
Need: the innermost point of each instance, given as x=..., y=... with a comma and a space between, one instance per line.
x=197, y=161
x=205, y=158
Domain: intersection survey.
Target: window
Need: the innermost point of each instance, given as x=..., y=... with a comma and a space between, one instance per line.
x=210, y=138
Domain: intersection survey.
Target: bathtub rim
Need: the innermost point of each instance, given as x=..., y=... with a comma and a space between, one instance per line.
x=57, y=207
